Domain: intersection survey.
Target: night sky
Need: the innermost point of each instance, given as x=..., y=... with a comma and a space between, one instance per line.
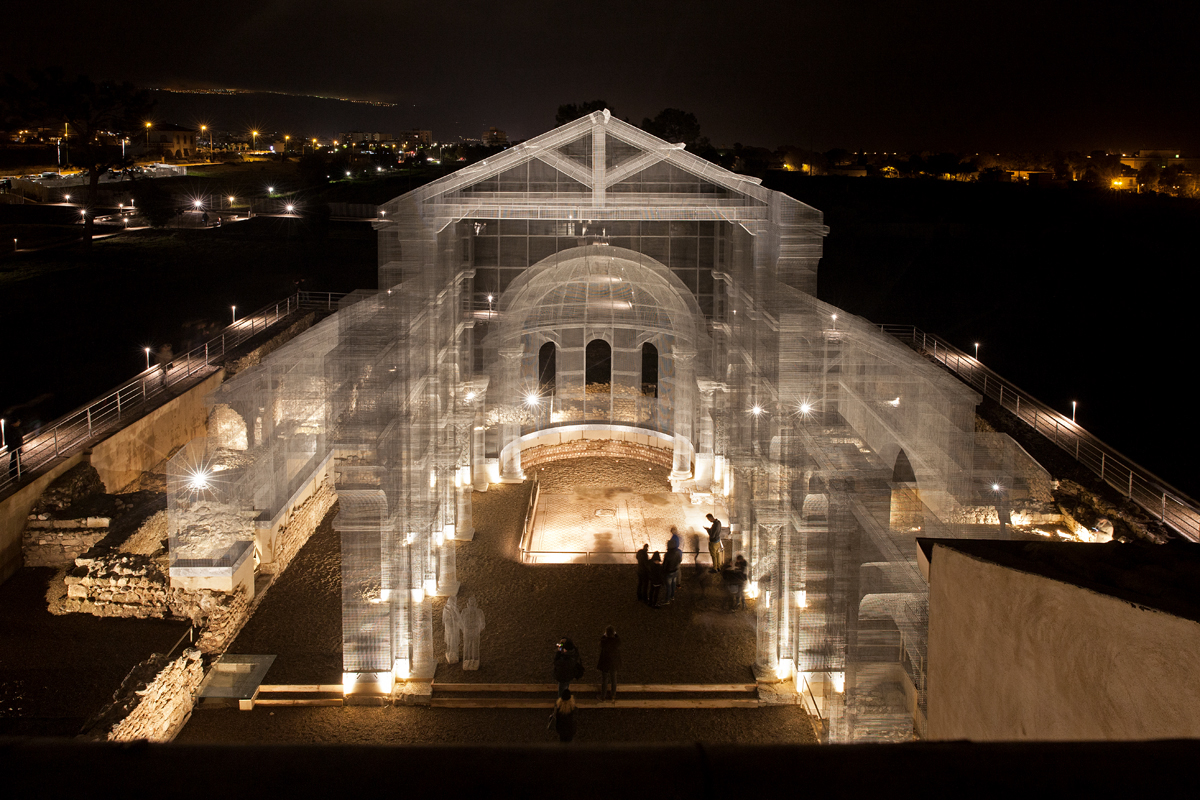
x=965, y=76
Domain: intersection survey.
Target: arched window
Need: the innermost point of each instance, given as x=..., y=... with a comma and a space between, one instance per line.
x=903, y=471
x=598, y=362
x=649, y=370
x=547, y=369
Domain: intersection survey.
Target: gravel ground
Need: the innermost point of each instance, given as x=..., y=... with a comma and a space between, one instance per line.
x=527, y=609
x=416, y=725
x=58, y=671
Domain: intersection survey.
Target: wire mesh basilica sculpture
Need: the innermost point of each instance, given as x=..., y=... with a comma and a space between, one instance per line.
x=506, y=287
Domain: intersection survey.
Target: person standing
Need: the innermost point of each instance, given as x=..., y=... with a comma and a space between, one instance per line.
x=565, y=723
x=14, y=439
x=715, y=548
x=568, y=664
x=610, y=661
x=656, y=578
x=643, y=573
x=672, y=561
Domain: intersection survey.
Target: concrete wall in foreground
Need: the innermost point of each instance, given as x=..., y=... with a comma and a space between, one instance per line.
x=123, y=457
x=1018, y=656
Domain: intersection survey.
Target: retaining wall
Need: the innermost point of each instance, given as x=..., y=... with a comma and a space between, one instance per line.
x=123, y=457
x=544, y=447
x=165, y=704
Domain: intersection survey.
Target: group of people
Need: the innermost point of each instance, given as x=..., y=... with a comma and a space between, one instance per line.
x=657, y=572
x=568, y=666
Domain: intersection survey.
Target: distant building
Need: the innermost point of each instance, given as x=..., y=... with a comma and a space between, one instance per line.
x=494, y=137
x=367, y=137
x=1160, y=158
x=412, y=139
x=170, y=140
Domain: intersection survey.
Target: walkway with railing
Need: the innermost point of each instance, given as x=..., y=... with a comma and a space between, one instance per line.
x=93, y=422
x=1164, y=501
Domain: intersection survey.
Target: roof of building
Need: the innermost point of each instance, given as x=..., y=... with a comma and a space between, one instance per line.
x=1163, y=577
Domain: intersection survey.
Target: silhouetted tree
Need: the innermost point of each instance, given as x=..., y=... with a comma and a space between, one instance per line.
x=154, y=202
x=570, y=112
x=674, y=125
x=1148, y=176
x=93, y=116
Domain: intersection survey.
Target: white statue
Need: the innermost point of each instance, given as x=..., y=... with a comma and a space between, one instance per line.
x=472, y=624
x=452, y=629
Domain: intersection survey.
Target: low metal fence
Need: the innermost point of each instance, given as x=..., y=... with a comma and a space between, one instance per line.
x=1171, y=506
x=103, y=416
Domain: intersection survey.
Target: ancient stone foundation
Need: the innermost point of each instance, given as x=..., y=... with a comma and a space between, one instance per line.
x=157, y=712
x=126, y=585
x=584, y=448
x=58, y=542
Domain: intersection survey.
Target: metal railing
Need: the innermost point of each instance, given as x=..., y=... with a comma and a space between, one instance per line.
x=1171, y=506
x=106, y=414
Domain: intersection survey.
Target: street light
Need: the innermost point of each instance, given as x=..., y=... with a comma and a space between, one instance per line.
x=203, y=128
x=1073, y=404
x=254, y=140
x=286, y=139
x=148, y=126
x=977, y=351
x=233, y=313
x=231, y=199
x=290, y=208
x=147, y=349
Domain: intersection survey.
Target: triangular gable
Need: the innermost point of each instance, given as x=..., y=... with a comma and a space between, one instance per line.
x=570, y=151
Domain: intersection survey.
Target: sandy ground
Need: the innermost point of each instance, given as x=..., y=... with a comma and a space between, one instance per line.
x=527, y=609
x=416, y=725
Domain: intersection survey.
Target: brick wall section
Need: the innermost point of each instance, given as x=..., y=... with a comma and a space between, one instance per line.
x=583, y=448
x=164, y=704
x=59, y=545
x=127, y=585
x=303, y=522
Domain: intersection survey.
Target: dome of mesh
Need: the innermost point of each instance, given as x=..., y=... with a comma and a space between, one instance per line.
x=600, y=286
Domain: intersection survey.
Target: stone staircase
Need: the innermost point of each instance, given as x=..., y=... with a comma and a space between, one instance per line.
x=632, y=695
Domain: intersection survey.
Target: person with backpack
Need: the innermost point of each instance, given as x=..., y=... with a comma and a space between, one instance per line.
x=562, y=719
x=568, y=664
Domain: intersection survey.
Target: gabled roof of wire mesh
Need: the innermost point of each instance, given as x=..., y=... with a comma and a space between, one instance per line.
x=600, y=285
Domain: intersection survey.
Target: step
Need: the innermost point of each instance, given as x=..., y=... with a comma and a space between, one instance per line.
x=583, y=702
x=299, y=701
x=299, y=688
x=541, y=695
x=531, y=688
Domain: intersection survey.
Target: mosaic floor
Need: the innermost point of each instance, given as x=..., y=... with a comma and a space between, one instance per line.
x=607, y=526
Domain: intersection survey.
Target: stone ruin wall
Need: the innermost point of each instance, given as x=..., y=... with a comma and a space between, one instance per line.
x=125, y=585
x=300, y=525
x=583, y=448
x=165, y=704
